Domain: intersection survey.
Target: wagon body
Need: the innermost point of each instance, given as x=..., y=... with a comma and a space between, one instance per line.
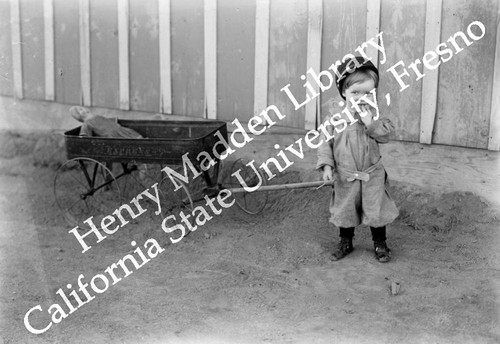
x=96, y=188
x=164, y=142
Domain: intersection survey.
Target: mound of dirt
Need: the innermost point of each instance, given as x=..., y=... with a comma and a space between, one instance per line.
x=49, y=151
x=45, y=148
x=439, y=211
x=420, y=209
x=14, y=144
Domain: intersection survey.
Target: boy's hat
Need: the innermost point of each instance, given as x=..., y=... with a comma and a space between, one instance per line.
x=343, y=72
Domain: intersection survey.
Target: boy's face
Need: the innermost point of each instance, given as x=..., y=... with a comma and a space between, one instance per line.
x=358, y=90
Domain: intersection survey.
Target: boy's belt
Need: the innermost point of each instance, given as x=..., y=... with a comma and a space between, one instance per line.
x=361, y=175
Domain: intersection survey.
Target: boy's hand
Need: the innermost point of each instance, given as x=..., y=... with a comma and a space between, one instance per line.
x=327, y=173
x=366, y=114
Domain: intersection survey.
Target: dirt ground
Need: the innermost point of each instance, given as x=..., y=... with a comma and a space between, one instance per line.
x=252, y=279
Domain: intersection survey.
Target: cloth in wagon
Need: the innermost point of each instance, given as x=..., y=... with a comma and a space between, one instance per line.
x=360, y=188
x=95, y=125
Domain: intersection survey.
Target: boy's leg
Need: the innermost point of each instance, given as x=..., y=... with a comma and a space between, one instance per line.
x=347, y=232
x=378, y=233
x=382, y=252
x=344, y=247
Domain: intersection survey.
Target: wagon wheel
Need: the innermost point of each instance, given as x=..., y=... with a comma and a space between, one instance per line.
x=196, y=188
x=84, y=187
x=134, y=178
x=173, y=202
x=250, y=202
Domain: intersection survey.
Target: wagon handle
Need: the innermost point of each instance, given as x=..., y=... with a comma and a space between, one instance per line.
x=317, y=185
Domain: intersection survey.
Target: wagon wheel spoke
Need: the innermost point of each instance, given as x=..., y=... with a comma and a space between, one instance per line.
x=85, y=172
x=135, y=181
x=79, y=181
x=75, y=203
x=85, y=192
x=94, y=174
x=173, y=202
x=98, y=204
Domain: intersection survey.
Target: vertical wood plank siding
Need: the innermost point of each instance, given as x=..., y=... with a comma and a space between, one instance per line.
x=48, y=19
x=6, y=70
x=372, y=27
x=235, y=59
x=314, y=32
x=104, y=62
x=261, y=59
x=145, y=88
x=230, y=59
x=85, y=91
x=210, y=50
x=165, y=58
x=67, y=52
x=123, y=54
x=464, y=100
x=188, y=70
x=494, y=139
x=430, y=82
x=287, y=58
x=401, y=24
x=344, y=28
x=16, y=41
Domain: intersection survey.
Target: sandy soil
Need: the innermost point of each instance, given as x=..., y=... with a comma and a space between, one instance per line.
x=255, y=279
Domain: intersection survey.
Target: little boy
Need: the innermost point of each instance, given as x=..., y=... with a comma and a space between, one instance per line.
x=352, y=160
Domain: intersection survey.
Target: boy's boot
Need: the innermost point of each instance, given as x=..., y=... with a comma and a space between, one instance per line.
x=382, y=252
x=344, y=247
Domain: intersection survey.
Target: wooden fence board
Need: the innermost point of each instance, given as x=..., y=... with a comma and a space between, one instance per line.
x=187, y=58
x=463, y=105
x=123, y=53
x=494, y=139
x=104, y=53
x=235, y=59
x=85, y=72
x=430, y=82
x=287, y=58
x=67, y=52
x=144, y=56
x=401, y=24
x=372, y=28
x=48, y=19
x=314, y=33
x=261, y=60
x=165, y=56
x=16, y=41
x=32, y=37
x=6, y=74
x=344, y=29
x=210, y=50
